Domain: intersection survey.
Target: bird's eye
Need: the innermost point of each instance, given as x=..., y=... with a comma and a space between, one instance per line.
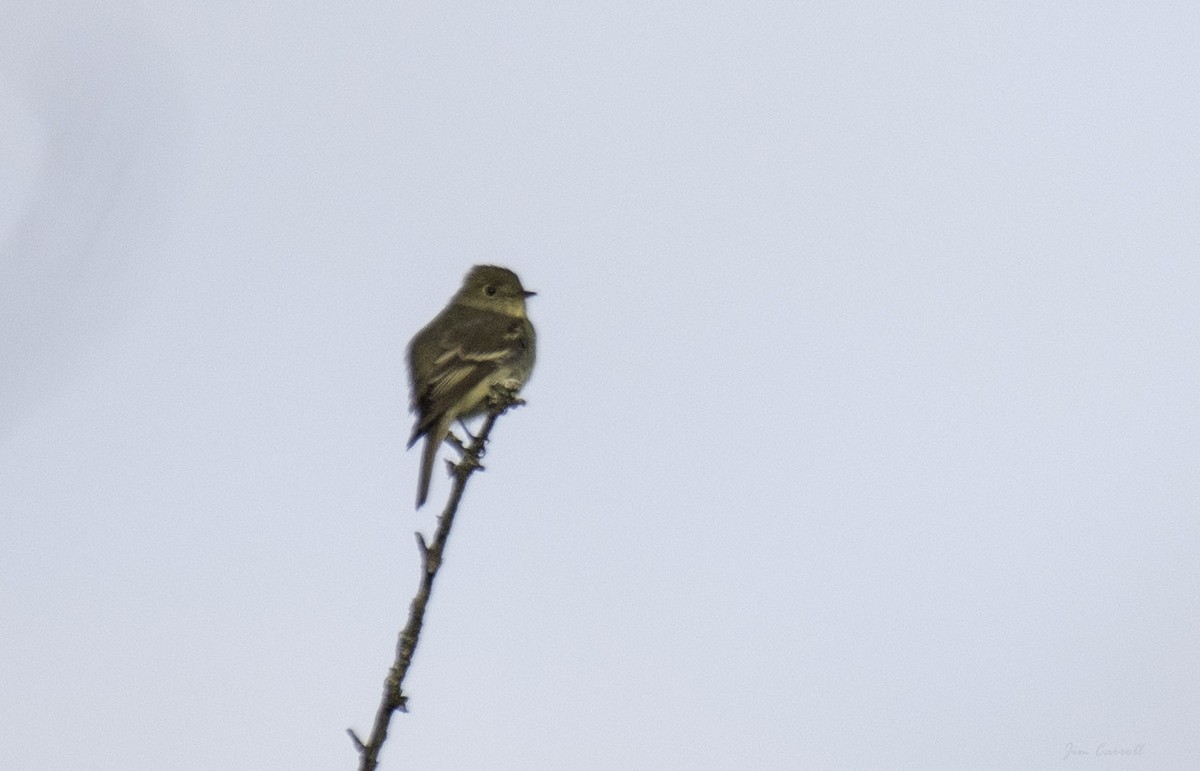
x=489, y=290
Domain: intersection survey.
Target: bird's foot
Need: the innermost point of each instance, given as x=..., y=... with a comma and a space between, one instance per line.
x=502, y=398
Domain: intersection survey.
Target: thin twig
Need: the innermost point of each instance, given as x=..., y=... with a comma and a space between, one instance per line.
x=394, y=699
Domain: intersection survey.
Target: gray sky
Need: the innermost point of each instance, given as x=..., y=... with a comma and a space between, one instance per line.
x=864, y=432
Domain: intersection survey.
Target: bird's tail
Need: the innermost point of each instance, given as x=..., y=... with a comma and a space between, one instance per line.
x=433, y=440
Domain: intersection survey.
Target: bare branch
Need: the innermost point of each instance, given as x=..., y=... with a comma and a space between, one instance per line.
x=394, y=698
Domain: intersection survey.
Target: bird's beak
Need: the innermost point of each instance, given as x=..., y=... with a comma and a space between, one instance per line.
x=528, y=293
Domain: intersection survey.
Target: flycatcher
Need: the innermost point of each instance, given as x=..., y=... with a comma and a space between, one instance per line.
x=481, y=339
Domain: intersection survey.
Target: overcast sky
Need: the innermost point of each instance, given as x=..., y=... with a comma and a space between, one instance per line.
x=865, y=430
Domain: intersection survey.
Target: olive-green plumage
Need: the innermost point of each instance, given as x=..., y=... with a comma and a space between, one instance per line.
x=481, y=339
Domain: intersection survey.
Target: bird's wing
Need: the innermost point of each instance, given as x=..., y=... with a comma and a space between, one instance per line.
x=469, y=354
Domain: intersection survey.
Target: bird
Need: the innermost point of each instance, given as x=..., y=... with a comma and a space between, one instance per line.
x=481, y=339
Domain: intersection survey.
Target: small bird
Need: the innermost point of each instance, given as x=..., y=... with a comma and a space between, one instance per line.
x=480, y=340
